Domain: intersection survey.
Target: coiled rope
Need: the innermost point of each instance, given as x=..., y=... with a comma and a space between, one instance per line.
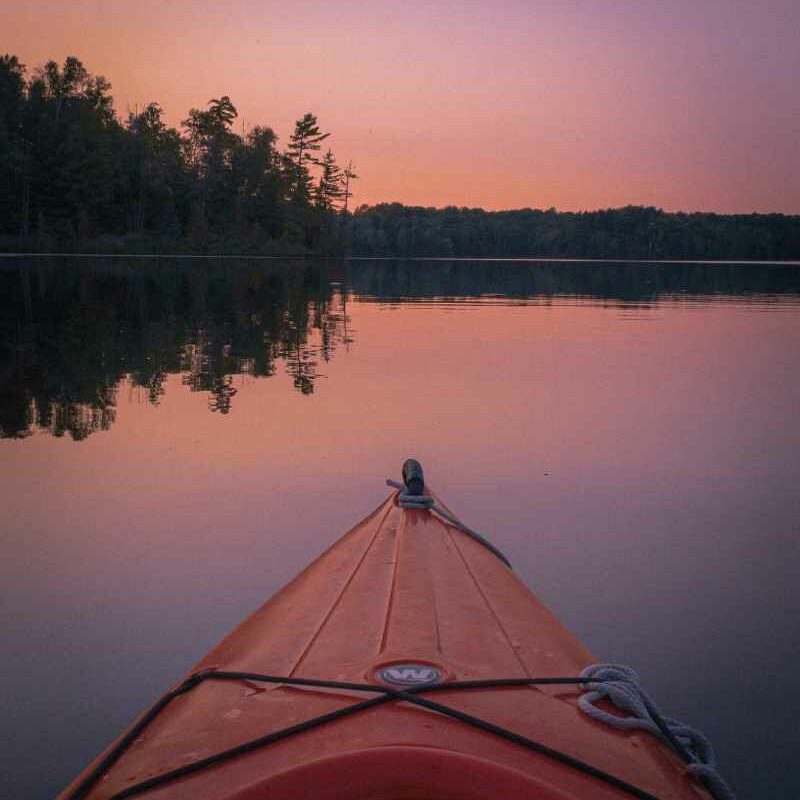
x=620, y=685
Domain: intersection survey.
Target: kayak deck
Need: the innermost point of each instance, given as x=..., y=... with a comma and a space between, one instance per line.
x=406, y=592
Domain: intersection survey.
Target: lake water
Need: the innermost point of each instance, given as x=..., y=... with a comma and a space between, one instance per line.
x=180, y=437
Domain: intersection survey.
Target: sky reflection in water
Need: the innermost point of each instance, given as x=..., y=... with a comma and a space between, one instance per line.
x=182, y=438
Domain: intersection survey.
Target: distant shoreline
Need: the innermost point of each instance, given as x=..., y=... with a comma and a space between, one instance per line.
x=637, y=233
x=461, y=259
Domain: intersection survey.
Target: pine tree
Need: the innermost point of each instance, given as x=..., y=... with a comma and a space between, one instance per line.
x=212, y=148
x=349, y=175
x=329, y=189
x=303, y=143
x=210, y=134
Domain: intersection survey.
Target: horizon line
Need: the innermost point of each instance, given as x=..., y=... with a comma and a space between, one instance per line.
x=515, y=259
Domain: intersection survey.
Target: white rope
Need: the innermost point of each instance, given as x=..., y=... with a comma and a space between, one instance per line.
x=620, y=684
x=406, y=500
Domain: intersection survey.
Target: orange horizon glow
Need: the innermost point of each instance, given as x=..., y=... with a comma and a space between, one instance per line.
x=577, y=106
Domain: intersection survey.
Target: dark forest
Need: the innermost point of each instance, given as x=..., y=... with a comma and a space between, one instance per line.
x=74, y=177
x=633, y=232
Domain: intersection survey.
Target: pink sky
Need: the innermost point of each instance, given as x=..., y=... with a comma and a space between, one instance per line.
x=576, y=104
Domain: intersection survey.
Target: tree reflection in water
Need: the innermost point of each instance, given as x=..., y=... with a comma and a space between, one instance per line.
x=72, y=331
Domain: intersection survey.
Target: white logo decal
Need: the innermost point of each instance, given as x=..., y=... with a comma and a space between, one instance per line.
x=409, y=674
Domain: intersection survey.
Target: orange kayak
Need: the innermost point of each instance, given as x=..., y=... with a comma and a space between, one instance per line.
x=403, y=663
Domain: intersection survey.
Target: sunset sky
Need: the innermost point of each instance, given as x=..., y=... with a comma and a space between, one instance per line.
x=576, y=104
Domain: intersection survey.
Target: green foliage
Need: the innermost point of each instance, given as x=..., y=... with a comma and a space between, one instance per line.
x=72, y=175
x=303, y=144
x=13, y=146
x=349, y=176
x=392, y=229
x=330, y=188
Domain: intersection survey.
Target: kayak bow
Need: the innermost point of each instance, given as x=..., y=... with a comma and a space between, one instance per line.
x=407, y=661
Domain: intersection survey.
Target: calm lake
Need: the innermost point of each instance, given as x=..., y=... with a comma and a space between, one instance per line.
x=181, y=436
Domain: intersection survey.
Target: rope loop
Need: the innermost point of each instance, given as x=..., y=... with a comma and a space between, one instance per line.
x=620, y=685
x=406, y=500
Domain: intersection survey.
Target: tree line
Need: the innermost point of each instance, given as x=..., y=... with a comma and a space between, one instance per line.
x=395, y=230
x=73, y=176
x=72, y=172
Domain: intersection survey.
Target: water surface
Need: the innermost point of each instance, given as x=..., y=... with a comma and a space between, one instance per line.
x=180, y=437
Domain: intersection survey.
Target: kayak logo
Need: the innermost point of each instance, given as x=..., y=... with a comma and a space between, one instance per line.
x=409, y=674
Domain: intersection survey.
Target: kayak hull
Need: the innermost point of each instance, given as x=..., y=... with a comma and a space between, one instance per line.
x=411, y=773
x=407, y=592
